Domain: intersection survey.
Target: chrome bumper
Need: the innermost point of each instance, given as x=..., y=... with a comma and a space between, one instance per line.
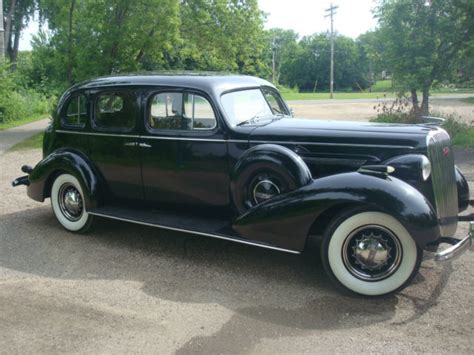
x=458, y=248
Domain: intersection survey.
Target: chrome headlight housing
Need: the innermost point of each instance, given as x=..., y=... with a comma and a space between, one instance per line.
x=425, y=167
x=411, y=167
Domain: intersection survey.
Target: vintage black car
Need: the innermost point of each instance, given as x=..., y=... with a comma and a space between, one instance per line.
x=221, y=156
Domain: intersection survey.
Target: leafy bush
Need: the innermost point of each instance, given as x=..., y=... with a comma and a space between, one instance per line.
x=17, y=102
x=461, y=133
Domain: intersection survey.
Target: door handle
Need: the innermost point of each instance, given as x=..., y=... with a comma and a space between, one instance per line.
x=130, y=144
x=144, y=145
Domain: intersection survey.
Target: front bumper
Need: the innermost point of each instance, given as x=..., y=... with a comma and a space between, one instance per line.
x=457, y=249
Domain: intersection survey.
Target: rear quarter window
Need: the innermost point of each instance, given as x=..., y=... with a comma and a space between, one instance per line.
x=75, y=114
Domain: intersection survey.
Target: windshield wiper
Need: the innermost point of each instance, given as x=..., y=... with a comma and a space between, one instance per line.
x=254, y=119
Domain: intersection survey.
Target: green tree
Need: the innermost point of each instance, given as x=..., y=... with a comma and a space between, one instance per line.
x=17, y=14
x=308, y=66
x=93, y=38
x=423, y=40
x=223, y=35
x=283, y=44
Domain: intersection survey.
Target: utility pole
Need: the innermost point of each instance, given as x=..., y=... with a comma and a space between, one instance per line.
x=332, y=12
x=2, y=32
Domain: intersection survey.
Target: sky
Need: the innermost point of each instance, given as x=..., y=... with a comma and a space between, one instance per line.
x=305, y=17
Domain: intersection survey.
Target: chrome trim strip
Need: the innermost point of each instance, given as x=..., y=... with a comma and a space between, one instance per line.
x=198, y=233
x=98, y=134
x=237, y=140
x=337, y=144
x=183, y=139
x=153, y=137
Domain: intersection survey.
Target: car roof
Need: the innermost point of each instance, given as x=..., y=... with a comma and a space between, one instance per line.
x=209, y=82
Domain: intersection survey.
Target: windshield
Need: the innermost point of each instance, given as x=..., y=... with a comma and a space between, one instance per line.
x=248, y=105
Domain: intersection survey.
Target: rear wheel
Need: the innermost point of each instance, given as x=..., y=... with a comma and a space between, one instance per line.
x=369, y=253
x=67, y=200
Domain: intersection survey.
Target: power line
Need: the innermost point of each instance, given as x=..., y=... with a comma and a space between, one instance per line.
x=332, y=12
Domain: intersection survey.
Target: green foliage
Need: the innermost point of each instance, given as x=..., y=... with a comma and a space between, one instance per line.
x=307, y=67
x=461, y=133
x=382, y=86
x=17, y=102
x=423, y=42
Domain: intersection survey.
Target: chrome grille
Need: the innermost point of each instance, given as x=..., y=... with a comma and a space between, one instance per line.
x=444, y=181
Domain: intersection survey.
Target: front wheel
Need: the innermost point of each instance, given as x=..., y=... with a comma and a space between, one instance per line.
x=67, y=200
x=369, y=253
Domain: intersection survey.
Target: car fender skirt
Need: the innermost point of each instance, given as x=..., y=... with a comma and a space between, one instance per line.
x=285, y=220
x=71, y=162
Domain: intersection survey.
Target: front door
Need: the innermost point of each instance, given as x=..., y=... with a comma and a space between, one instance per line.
x=113, y=143
x=184, y=154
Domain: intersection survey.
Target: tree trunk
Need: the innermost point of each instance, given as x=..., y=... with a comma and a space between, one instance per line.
x=8, y=24
x=2, y=32
x=415, y=103
x=14, y=49
x=69, y=45
x=425, y=102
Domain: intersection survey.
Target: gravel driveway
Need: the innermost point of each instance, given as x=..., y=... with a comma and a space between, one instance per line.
x=363, y=109
x=130, y=288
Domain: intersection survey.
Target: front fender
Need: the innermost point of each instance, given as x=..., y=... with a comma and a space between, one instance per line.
x=285, y=220
x=69, y=161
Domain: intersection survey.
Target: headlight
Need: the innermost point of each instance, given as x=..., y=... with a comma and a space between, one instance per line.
x=425, y=168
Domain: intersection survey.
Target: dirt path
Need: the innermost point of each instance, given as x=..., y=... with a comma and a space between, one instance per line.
x=128, y=288
x=10, y=137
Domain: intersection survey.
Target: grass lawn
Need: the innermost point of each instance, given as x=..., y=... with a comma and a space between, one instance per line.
x=381, y=89
x=465, y=138
x=22, y=121
x=337, y=95
x=34, y=142
x=469, y=100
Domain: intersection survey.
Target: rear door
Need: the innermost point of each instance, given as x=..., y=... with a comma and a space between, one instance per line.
x=113, y=142
x=184, y=154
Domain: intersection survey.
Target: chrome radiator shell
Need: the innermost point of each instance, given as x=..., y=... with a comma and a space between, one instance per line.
x=443, y=179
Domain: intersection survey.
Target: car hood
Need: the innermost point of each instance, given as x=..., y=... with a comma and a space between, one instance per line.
x=344, y=133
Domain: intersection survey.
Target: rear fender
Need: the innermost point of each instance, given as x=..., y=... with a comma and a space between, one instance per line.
x=285, y=221
x=65, y=161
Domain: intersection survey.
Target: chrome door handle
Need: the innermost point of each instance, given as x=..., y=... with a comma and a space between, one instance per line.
x=130, y=144
x=144, y=145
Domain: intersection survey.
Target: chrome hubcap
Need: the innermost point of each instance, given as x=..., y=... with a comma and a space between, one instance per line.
x=372, y=253
x=265, y=190
x=70, y=202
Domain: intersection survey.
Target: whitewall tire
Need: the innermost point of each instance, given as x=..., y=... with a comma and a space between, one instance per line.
x=67, y=200
x=369, y=253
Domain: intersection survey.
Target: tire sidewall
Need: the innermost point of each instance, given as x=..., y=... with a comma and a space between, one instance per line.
x=334, y=264
x=73, y=226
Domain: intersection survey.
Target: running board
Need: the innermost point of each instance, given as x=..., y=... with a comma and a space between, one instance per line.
x=214, y=228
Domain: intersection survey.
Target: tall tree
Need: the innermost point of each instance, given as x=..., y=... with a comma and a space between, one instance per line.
x=17, y=14
x=423, y=40
x=102, y=37
x=307, y=67
x=222, y=35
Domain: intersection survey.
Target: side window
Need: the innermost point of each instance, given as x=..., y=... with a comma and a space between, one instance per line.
x=178, y=111
x=199, y=110
x=115, y=110
x=275, y=102
x=76, y=112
